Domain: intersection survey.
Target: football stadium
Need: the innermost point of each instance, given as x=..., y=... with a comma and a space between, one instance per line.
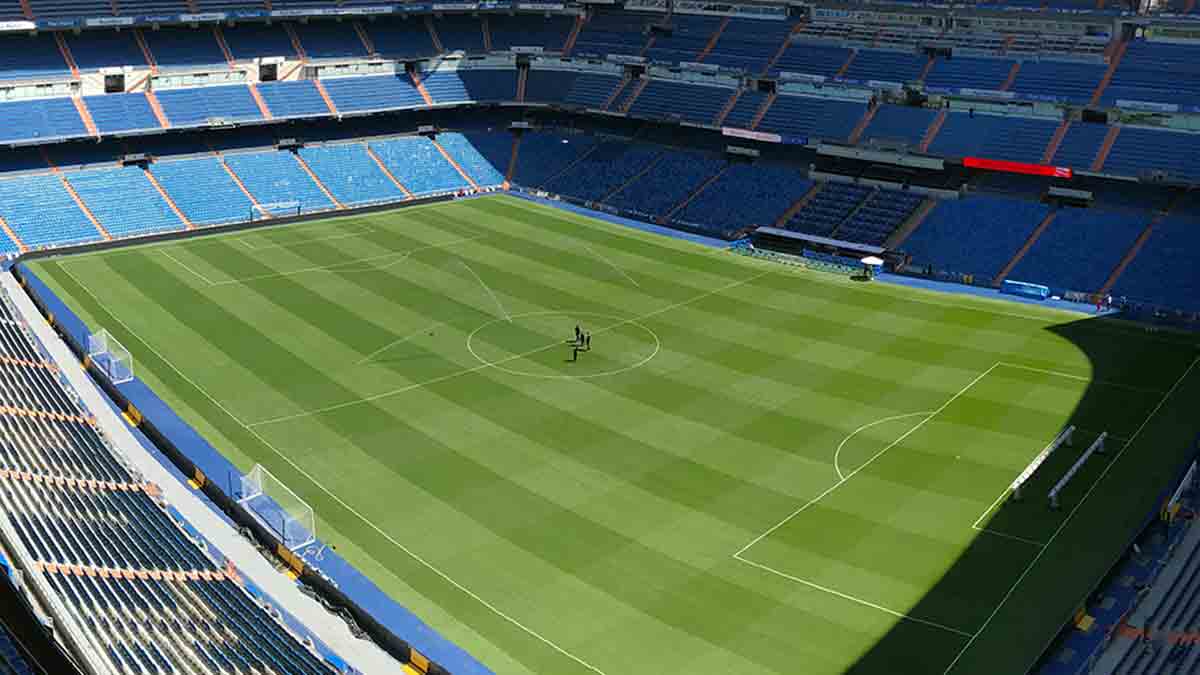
x=599, y=337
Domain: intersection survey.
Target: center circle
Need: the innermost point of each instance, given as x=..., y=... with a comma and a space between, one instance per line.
x=541, y=344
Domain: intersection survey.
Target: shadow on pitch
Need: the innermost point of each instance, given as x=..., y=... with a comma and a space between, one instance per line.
x=1063, y=574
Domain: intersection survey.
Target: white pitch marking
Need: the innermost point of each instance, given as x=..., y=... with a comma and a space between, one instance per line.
x=864, y=465
x=514, y=357
x=851, y=598
x=292, y=244
x=399, y=255
x=409, y=552
x=179, y=262
x=864, y=427
x=1072, y=376
x=1063, y=525
x=393, y=343
x=507, y=316
x=610, y=264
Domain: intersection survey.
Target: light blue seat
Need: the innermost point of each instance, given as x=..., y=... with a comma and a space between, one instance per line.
x=373, y=92
x=275, y=176
x=121, y=112
x=350, y=174
x=40, y=119
x=203, y=190
x=41, y=212
x=483, y=172
x=198, y=105
x=418, y=165
x=124, y=201
x=298, y=98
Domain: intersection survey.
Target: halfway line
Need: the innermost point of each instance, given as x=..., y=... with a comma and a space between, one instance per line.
x=514, y=357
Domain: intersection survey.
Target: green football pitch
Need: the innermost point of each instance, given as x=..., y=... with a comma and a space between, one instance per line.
x=755, y=469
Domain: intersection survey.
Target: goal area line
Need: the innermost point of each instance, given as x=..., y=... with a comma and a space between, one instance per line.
x=741, y=554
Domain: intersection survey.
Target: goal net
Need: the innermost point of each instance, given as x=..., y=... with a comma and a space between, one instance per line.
x=110, y=356
x=274, y=210
x=277, y=508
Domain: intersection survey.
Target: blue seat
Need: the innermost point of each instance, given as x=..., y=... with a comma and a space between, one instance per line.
x=121, y=112
x=297, y=98
x=124, y=201
x=464, y=152
x=418, y=165
x=203, y=190
x=199, y=105
x=350, y=174
x=276, y=176
x=374, y=92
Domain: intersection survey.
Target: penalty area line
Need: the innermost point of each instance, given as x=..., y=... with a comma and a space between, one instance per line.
x=407, y=551
x=1062, y=526
x=854, y=599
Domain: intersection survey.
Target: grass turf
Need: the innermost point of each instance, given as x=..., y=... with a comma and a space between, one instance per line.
x=755, y=470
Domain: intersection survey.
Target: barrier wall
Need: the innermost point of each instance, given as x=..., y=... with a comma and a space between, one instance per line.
x=342, y=587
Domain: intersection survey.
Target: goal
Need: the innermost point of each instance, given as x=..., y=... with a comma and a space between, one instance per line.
x=110, y=356
x=274, y=210
x=278, y=508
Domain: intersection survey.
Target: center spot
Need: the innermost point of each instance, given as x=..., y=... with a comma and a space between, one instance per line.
x=540, y=344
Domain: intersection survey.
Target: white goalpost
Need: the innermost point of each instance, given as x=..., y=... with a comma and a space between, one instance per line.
x=110, y=356
x=278, y=508
x=274, y=210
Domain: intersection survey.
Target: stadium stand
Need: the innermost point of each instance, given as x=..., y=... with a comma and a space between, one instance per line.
x=547, y=32
x=829, y=208
x=372, y=93
x=418, y=165
x=1091, y=239
x=1080, y=145
x=886, y=65
x=748, y=44
x=375, y=92
x=899, y=124
x=253, y=40
x=124, y=201
x=180, y=48
x=744, y=110
x=115, y=113
x=745, y=195
x=480, y=84
x=32, y=57
x=73, y=529
x=329, y=40
x=42, y=213
x=592, y=90
x=806, y=116
x=298, y=98
x=975, y=235
x=39, y=119
x=813, y=58
x=668, y=182
x=96, y=49
x=610, y=166
x=350, y=174
x=545, y=155
x=966, y=134
x=401, y=38
x=203, y=190
x=1140, y=150
x=1139, y=76
x=612, y=32
x=1069, y=81
x=549, y=86
x=199, y=106
x=276, y=176
x=970, y=72
x=478, y=166
x=1171, y=247
x=662, y=99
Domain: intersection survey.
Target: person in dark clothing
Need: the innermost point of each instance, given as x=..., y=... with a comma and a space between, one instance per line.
x=587, y=342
